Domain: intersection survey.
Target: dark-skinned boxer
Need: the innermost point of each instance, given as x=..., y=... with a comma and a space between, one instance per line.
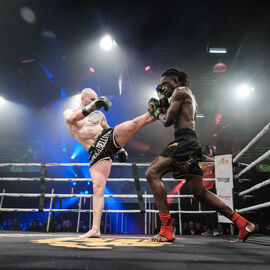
x=183, y=155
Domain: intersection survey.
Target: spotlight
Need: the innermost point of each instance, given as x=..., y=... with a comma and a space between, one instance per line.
x=28, y=14
x=217, y=50
x=92, y=69
x=244, y=90
x=2, y=100
x=64, y=149
x=107, y=43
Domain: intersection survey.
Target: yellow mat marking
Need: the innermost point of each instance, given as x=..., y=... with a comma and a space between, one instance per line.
x=99, y=243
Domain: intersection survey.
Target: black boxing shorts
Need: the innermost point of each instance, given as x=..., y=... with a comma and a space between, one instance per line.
x=185, y=152
x=104, y=147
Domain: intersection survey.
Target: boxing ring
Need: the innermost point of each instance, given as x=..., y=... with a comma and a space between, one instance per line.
x=143, y=200
x=30, y=250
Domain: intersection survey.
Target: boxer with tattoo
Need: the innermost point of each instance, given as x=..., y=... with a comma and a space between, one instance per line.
x=90, y=128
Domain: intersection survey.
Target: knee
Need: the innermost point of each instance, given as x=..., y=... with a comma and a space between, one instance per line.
x=98, y=189
x=151, y=174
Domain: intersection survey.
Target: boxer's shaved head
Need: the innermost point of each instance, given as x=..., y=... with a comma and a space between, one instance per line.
x=87, y=96
x=88, y=92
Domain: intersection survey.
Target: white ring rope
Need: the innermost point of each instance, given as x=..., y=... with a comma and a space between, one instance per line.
x=104, y=211
x=258, y=160
x=88, y=195
x=254, y=207
x=260, y=185
x=88, y=179
x=255, y=139
x=79, y=164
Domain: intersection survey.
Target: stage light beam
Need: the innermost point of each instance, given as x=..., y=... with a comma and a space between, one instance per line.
x=107, y=43
x=244, y=90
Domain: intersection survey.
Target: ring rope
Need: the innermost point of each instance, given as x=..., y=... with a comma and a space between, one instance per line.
x=254, y=207
x=104, y=211
x=264, y=156
x=77, y=164
x=255, y=139
x=87, y=179
x=33, y=195
x=258, y=186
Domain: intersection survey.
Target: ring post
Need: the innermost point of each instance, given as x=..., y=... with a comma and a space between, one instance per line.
x=2, y=198
x=42, y=187
x=179, y=215
x=79, y=213
x=49, y=215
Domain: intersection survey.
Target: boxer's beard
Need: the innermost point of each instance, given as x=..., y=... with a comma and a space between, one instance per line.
x=94, y=117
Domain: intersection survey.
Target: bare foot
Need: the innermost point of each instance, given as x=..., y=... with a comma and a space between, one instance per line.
x=91, y=234
x=160, y=238
x=245, y=233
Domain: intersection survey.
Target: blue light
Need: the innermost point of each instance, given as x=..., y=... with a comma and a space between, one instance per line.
x=64, y=149
x=46, y=71
x=63, y=94
x=74, y=183
x=85, y=192
x=88, y=183
x=77, y=150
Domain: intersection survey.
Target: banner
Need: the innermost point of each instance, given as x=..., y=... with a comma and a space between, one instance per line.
x=224, y=182
x=208, y=172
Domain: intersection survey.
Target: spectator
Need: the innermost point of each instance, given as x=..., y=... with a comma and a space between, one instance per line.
x=67, y=226
x=34, y=227
x=173, y=222
x=206, y=231
x=52, y=227
x=198, y=228
x=191, y=228
x=209, y=154
x=266, y=229
x=185, y=229
x=219, y=231
x=15, y=226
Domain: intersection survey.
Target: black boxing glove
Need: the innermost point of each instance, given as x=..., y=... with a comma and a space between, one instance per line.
x=163, y=101
x=154, y=107
x=97, y=104
x=122, y=155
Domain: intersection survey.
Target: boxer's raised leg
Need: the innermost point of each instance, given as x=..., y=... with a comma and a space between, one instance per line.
x=125, y=131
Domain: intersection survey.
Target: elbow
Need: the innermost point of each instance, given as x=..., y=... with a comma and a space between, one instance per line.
x=167, y=124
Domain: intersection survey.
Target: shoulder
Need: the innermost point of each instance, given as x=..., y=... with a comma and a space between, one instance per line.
x=181, y=92
x=67, y=112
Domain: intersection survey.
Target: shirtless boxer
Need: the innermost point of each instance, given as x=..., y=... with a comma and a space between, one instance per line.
x=182, y=155
x=90, y=128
